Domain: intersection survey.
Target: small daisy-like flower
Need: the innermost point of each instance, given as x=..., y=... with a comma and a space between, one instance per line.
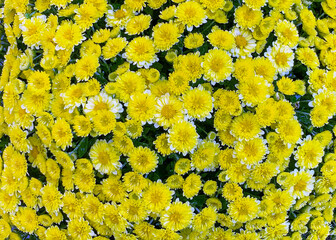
x=54, y=232
x=309, y=154
x=113, y=47
x=39, y=81
x=302, y=183
x=250, y=152
x=86, y=67
x=183, y=137
x=61, y=133
x=287, y=33
x=68, y=35
x=157, y=197
x=221, y=39
x=102, y=102
x=193, y=40
x=168, y=111
x=198, y=103
x=104, y=157
x=247, y=17
x=143, y=160
x=128, y=84
x=282, y=58
x=51, y=199
x=290, y=131
x=104, y=122
x=244, y=209
x=308, y=57
x=32, y=29
x=254, y=90
x=192, y=185
x=86, y=15
x=204, y=220
x=141, y=52
x=141, y=107
x=245, y=43
x=245, y=126
x=138, y=24
x=118, y=18
x=217, y=65
x=135, y=5
x=213, y=5
x=162, y=145
x=133, y=210
x=165, y=35
x=191, y=14
x=177, y=216
x=255, y=4
x=80, y=229
x=286, y=86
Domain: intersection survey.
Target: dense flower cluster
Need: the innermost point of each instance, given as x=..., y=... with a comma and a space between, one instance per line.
x=168, y=120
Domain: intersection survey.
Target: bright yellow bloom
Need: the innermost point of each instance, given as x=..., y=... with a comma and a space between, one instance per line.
x=183, y=137
x=191, y=14
x=141, y=52
x=143, y=160
x=177, y=216
x=217, y=65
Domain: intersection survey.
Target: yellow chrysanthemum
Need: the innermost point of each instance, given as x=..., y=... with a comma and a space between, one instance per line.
x=80, y=229
x=192, y=185
x=141, y=52
x=190, y=13
x=39, y=81
x=128, y=84
x=204, y=220
x=254, y=90
x=217, y=65
x=141, y=107
x=68, y=35
x=113, y=47
x=157, y=197
x=104, y=157
x=104, y=122
x=221, y=39
x=138, y=24
x=302, y=183
x=247, y=17
x=290, y=131
x=282, y=58
x=133, y=210
x=308, y=57
x=51, y=199
x=244, y=209
x=86, y=67
x=168, y=111
x=193, y=40
x=143, y=160
x=61, y=133
x=245, y=126
x=250, y=152
x=309, y=154
x=198, y=103
x=165, y=35
x=183, y=137
x=31, y=30
x=177, y=216
x=55, y=233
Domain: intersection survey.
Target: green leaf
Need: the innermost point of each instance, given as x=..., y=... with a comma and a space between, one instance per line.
x=82, y=147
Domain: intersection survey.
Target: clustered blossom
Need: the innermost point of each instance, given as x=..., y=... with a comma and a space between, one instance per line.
x=168, y=120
